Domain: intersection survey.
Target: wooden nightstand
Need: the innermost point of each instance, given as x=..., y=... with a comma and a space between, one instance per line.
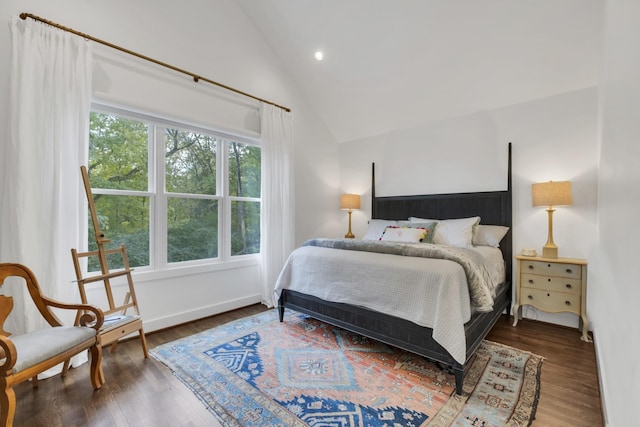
x=552, y=285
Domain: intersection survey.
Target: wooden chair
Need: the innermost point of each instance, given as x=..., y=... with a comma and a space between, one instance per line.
x=25, y=356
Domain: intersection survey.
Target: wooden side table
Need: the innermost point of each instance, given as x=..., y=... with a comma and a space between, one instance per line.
x=554, y=286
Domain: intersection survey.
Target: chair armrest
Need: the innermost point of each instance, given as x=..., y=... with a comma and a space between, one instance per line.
x=44, y=303
x=92, y=316
x=9, y=354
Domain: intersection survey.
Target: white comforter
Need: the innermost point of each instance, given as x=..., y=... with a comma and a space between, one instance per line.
x=428, y=292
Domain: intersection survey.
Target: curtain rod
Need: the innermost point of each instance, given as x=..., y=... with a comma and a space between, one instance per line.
x=196, y=78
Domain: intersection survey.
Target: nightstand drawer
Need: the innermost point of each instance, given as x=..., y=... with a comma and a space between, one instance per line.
x=555, y=269
x=550, y=283
x=551, y=301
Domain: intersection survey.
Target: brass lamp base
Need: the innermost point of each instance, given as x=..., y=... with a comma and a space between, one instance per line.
x=550, y=252
x=349, y=234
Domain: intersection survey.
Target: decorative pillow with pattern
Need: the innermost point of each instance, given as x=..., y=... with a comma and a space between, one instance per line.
x=403, y=234
x=376, y=227
x=430, y=227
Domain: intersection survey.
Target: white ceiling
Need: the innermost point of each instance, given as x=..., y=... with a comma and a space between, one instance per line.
x=394, y=64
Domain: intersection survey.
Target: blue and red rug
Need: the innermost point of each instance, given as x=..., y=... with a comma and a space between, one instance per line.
x=260, y=372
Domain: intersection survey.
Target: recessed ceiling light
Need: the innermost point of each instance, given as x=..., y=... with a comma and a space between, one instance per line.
x=319, y=55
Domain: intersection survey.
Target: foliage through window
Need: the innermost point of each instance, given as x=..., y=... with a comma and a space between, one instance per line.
x=172, y=193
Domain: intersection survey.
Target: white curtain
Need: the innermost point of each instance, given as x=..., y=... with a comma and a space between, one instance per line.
x=43, y=205
x=277, y=210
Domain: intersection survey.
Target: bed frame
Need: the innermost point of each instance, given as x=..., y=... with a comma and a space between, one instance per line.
x=494, y=208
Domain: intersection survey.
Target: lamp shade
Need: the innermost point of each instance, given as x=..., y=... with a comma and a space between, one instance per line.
x=350, y=201
x=552, y=193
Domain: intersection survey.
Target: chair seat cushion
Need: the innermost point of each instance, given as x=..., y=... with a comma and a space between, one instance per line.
x=37, y=346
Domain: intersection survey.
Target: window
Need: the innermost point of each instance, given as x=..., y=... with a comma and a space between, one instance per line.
x=173, y=193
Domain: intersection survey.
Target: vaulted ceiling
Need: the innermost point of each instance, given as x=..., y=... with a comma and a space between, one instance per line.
x=394, y=64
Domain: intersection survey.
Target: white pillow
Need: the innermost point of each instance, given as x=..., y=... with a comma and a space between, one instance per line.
x=403, y=234
x=489, y=235
x=376, y=228
x=453, y=232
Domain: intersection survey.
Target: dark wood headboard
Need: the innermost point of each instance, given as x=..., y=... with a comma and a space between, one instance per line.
x=493, y=208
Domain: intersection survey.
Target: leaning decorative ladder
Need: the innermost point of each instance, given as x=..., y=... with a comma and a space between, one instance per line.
x=118, y=322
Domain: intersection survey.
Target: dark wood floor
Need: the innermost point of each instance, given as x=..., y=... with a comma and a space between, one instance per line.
x=570, y=391
x=143, y=392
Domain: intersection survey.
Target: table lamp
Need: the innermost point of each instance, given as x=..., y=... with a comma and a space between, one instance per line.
x=550, y=194
x=349, y=202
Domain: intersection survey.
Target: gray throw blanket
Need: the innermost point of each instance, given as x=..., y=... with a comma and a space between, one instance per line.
x=481, y=287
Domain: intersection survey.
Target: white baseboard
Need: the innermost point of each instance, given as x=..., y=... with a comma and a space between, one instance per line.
x=601, y=375
x=174, y=319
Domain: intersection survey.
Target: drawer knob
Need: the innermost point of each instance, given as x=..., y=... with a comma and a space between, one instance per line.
x=567, y=302
x=530, y=267
x=569, y=271
x=530, y=297
x=531, y=281
x=568, y=285
x=548, y=280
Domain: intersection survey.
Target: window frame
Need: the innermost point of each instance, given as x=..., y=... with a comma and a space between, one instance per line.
x=159, y=266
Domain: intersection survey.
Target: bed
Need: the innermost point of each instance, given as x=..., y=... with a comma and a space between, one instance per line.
x=493, y=207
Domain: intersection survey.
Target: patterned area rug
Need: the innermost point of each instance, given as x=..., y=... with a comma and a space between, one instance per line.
x=260, y=372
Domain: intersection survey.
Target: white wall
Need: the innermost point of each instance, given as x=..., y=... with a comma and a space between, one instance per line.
x=553, y=139
x=218, y=43
x=616, y=266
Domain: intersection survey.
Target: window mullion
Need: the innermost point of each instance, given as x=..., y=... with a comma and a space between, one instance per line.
x=224, y=220
x=160, y=212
